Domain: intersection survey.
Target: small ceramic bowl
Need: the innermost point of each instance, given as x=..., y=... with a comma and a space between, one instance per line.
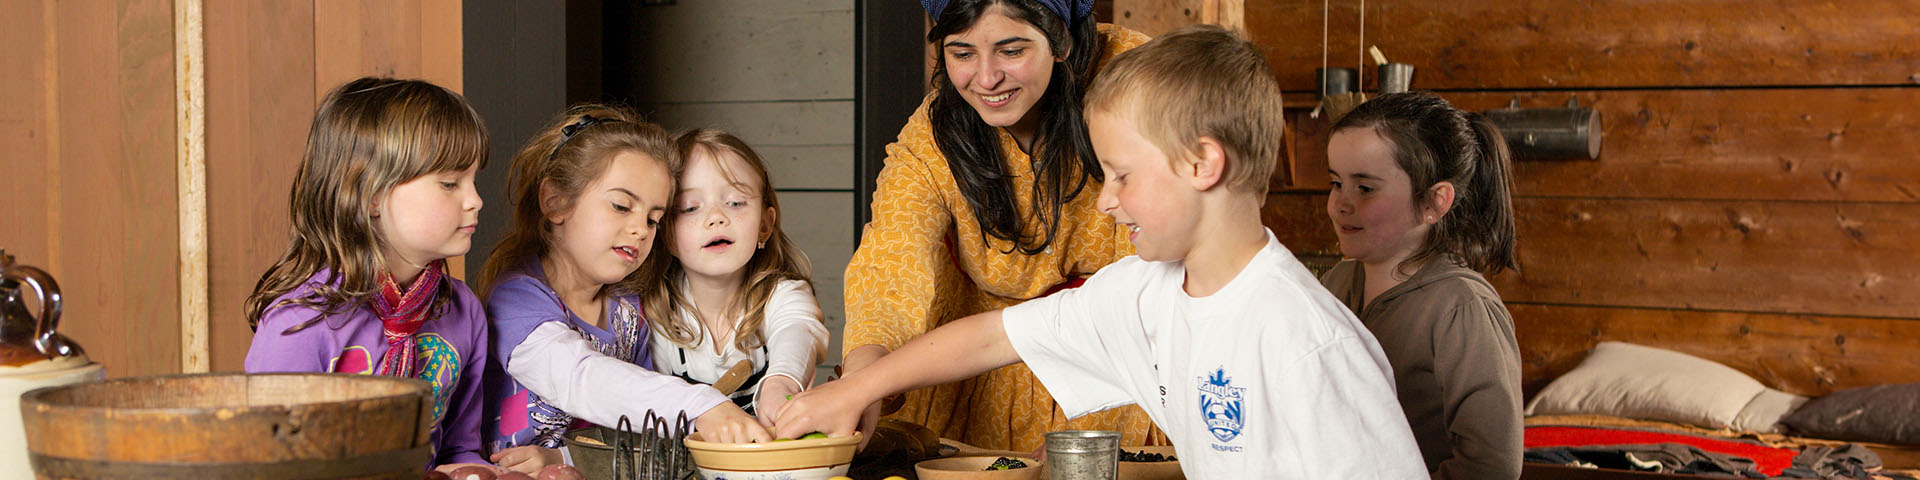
x=1169, y=470
x=815, y=459
x=975, y=468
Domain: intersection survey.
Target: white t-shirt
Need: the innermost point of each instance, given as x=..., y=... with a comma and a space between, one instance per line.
x=794, y=339
x=1270, y=377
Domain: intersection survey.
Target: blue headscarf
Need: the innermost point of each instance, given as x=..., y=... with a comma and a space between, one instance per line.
x=1072, y=10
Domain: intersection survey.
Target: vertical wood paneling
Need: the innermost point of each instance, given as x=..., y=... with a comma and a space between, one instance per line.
x=94, y=171
x=441, y=48
x=260, y=103
x=26, y=131
x=339, y=39
x=118, y=258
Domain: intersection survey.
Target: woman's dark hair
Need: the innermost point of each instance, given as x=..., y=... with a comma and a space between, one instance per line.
x=1061, y=153
x=1434, y=142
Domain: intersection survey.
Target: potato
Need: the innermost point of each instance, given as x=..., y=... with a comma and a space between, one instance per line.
x=438, y=476
x=473, y=473
x=561, y=472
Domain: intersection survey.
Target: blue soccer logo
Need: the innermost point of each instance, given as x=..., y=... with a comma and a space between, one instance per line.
x=1222, y=405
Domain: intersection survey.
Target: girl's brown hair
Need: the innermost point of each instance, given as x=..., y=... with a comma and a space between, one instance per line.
x=567, y=155
x=1434, y=142
x=368, y=136
x=779, y=261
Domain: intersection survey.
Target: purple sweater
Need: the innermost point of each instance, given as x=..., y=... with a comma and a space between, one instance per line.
x=452, y=348
x=587, y=374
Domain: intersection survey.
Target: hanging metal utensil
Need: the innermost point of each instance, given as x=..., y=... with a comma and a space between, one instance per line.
x=1571, y=132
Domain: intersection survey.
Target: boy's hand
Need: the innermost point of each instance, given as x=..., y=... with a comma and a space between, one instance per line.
x=774, y=392
x=527, y=459
x=833, y=409
x=727, y=423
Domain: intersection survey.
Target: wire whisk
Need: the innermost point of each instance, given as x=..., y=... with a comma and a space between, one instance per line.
x=656, y=451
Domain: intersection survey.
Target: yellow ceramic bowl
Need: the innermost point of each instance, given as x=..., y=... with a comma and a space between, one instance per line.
x=975, y=468
x=814, y=458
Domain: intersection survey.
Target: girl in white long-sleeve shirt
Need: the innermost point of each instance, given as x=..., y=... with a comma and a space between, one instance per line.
x=571, y=345
x=735, y=290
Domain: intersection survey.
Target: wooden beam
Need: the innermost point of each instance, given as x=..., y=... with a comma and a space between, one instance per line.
x=1601, y=43
x=190, y=120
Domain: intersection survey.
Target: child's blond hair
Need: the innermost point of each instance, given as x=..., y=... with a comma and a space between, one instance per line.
x=780, y=260
x=1199, y=81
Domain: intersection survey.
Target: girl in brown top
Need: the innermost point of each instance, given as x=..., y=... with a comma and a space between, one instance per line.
x=1420, y=201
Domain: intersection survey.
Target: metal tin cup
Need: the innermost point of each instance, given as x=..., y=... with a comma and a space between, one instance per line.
x=1395, y=77
x=1083, y=455
x=1334, y=81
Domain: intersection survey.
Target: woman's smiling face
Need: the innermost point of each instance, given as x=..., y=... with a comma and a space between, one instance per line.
x=1001, y=66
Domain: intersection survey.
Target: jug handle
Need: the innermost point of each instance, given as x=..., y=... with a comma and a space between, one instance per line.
x=49, y=292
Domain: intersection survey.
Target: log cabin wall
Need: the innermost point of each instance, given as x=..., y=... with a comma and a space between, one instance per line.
x=88, y=120
x=1756, y=201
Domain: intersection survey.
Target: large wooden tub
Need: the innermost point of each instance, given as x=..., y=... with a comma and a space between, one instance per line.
x=281, y=426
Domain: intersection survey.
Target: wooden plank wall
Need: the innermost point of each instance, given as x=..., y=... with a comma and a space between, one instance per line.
x=779, y=75
x=87, y=124
x=90, y=173
x=1756, y=201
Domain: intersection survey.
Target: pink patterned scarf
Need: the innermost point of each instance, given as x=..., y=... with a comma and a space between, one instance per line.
x=402, y=314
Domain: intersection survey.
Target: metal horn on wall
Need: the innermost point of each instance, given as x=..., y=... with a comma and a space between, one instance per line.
x=1571, y=132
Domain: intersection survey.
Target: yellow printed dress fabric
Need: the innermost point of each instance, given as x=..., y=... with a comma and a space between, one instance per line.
x=903, y=281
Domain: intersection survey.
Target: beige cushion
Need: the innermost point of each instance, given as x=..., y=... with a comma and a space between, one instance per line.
x=1637, y=381
x=1764, y=412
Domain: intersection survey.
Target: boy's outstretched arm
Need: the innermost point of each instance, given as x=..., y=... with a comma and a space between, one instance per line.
x=956, y=351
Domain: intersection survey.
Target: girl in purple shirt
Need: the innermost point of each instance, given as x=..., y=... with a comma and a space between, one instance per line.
x=571, y=337
x=383, y=197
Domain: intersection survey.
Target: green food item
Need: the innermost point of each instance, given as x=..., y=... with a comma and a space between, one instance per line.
x=1004, y=463
x=809, y=436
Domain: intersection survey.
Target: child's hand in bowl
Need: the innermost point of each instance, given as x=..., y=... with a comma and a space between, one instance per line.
x=774, y=393
x=825, y=409
x=727, y=423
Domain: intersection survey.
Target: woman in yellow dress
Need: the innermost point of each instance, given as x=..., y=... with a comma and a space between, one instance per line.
x=987, y=199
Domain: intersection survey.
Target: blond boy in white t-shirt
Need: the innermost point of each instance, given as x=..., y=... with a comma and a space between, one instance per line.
x=1226, y=340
